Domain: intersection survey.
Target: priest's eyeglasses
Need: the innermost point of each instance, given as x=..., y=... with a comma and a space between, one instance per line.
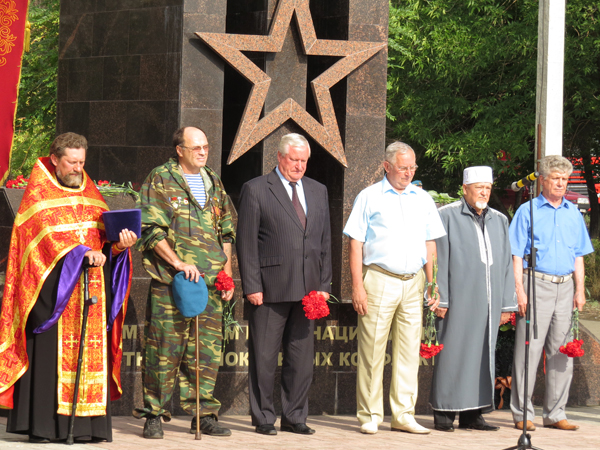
x=196, y=149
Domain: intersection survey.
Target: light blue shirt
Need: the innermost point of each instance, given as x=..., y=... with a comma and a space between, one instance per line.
x=560, y=235
x=288, y=188
x=394, y=227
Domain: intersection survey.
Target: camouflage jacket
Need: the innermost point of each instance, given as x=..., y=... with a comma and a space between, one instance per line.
x=196, y=235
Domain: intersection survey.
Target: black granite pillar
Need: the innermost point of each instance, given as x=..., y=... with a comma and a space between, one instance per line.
x=201, y=94
x=119, y=82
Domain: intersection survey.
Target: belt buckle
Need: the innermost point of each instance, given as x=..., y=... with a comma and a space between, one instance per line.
x=556, y=279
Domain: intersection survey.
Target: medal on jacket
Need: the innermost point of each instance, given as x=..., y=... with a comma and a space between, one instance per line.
x=175, y=202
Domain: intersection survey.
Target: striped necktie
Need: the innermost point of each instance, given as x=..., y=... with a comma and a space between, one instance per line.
x=297, y=205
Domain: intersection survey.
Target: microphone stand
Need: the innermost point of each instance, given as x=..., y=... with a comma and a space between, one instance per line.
x=524, y=441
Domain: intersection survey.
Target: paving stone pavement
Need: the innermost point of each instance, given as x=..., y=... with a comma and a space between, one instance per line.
x=339, y=432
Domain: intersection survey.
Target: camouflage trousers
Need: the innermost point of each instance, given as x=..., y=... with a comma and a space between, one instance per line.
x=169, y=353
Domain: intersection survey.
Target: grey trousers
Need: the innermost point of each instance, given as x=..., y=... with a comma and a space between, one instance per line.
x=554, y=307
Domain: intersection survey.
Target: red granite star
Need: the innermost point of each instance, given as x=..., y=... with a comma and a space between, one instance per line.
x=252, y=129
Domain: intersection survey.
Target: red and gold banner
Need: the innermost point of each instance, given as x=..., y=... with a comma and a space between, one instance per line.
x=13, y=17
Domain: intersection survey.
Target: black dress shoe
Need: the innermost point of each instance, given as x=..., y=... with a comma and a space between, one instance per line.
x=267, y=428
x=300, y=428
x=448, y=428
x=478, y=426
x=33, y=439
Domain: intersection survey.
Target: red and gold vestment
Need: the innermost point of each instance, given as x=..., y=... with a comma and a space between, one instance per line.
x=53, y=220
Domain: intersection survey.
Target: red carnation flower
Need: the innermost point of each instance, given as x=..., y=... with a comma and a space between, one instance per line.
x=513, y=319
x=224, y=282
x=428, y=351
x=315, y=306
x=573, y=349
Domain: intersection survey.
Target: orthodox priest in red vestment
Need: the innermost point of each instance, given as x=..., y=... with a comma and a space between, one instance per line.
x=59, y=222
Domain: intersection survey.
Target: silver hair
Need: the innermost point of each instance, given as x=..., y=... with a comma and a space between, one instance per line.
x=292, y=140
x=397, y=147
x=555, y=163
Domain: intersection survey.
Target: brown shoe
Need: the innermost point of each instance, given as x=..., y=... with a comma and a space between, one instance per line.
x=563, y=425
x=530, y=425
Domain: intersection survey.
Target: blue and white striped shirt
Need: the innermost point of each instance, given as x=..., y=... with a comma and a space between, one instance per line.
x=196, y=184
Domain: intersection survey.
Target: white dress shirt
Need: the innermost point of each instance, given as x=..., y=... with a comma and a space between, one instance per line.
x=288, y=188
x=394, y=227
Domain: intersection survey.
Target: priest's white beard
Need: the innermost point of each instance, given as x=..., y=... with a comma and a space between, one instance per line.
x=481, y=205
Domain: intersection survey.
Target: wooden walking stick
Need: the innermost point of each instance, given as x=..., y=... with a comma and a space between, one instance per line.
x=87, y=301
x=198, y=431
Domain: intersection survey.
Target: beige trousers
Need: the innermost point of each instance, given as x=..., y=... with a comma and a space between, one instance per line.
x=394, y=305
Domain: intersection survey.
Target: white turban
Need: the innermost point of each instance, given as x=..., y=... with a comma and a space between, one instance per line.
x=478, y=174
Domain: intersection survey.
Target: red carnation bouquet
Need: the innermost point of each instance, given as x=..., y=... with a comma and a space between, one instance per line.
x=428, y=348
x=511, y=324
x=19, y=183
x=224, y=282
x=573, y=348
x=315, y=305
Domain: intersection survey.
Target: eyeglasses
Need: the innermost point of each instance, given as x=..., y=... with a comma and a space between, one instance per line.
x=196, y=149
x=405, y=168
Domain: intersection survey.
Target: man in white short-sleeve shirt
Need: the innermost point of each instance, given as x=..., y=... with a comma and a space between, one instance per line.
x=392, y=230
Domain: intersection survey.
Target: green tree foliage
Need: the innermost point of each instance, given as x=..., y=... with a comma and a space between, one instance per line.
x=35, y=123
x=461, y=83
x=582, y=95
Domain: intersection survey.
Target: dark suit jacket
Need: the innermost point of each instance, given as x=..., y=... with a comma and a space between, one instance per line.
x=276, y=255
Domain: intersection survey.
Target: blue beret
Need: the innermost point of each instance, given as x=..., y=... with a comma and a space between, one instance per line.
x=190, y=297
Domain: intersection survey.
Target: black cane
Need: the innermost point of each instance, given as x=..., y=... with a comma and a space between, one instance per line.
x=87, y=301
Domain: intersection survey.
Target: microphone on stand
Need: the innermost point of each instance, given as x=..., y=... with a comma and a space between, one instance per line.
x=518, y=185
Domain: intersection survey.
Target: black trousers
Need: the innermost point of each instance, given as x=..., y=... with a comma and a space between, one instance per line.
x=446, y=418
x=275, y=326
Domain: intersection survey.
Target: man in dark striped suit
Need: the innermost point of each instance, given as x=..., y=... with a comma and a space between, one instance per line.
x=284, y=252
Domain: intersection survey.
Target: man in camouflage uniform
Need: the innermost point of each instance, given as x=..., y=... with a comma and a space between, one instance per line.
x=186, y=226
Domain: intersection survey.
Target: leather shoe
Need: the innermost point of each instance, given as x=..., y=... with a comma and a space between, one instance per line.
x=562, y=425
x=369, y=427
x=153, y=428
x=33, y=439
x=530, y=425
x=448, y=428
x=299, y=428
x=209, y=425
x=411, y=427
x=267, y=428
x=478, y=426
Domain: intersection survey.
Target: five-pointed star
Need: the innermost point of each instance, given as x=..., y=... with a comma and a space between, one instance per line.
x=252, y=130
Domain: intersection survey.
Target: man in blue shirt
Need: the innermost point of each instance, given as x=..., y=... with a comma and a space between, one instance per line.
x=392, y=230
x=562, y=240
